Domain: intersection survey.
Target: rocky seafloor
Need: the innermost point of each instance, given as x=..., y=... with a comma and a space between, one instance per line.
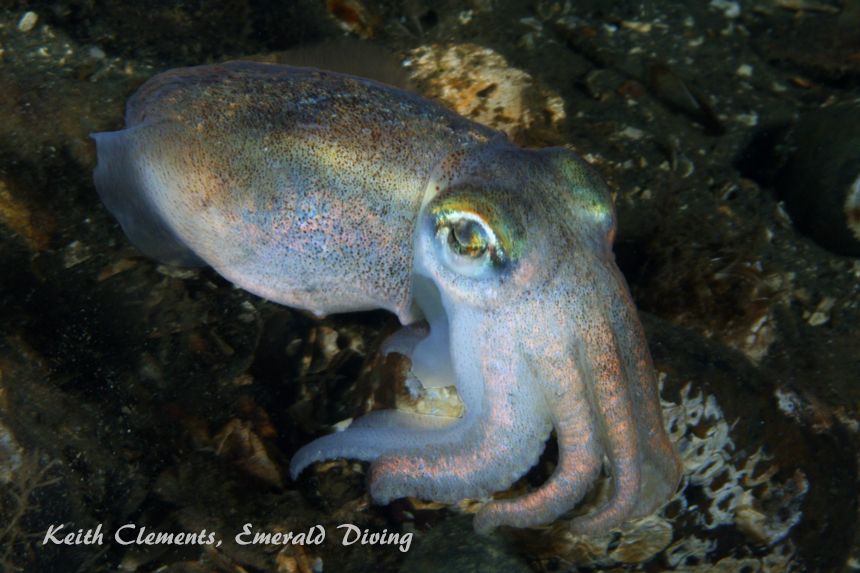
x=133, y=392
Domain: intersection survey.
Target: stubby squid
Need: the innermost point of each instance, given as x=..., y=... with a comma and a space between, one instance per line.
x=332, y=193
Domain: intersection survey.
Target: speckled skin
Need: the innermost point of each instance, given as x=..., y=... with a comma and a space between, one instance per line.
x=275, y=176
x=332, y=193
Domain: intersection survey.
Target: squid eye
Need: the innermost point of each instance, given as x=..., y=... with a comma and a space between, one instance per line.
x=467, y=244
x=468, y=238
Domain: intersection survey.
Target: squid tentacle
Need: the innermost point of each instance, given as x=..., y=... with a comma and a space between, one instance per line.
x=661, y=465
x=504, y=438
x=613, y=405
x=580, y=455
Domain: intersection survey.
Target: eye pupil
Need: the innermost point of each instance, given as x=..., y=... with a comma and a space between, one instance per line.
x=469, y=238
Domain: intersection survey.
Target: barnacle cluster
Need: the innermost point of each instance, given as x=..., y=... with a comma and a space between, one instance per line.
x=724, y=489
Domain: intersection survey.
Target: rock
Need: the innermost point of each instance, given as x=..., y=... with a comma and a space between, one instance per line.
x=29, y=223
x=353, y=16
x=239, y=444
x=454, y=547
x=478, y=83
x=822, y=45
x=820, y=181
x=28, y=21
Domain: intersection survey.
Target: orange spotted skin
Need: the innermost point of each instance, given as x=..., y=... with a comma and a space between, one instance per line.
x=332, y=193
